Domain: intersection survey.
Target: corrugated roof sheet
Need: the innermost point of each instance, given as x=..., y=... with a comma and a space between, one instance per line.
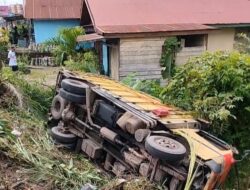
x=151, y=28
x=52, y=9
x=126, y=14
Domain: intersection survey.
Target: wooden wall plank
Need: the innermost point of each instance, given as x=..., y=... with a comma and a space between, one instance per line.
x=141, y=56
x=114, y=62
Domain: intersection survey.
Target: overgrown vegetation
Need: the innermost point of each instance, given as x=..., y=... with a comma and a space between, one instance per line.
x=42, y=161
x=23, y=61
x=65, y=43
x=4, y=40
x=36, y=98
x=216, y=86
x=151, y=87
x=32, y=148
x=167, y=61
x=66, y=53
x=86, y=62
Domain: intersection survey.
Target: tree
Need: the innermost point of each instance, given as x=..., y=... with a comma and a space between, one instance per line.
x=65, y=42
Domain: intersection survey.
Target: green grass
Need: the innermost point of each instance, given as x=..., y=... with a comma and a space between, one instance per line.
x=43, y=161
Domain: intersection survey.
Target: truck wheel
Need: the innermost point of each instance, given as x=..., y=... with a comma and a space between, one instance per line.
x=74, y=86
x=60, y=136
x=69, y=146
x=165, y=148
x=75, y=98
x=57, y=107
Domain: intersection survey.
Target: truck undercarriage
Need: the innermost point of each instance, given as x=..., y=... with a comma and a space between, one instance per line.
x=131, y=133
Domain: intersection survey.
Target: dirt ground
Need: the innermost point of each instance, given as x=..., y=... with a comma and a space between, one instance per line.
x=11, y=177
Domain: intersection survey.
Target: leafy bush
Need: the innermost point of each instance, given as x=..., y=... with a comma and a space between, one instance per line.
x=23, y=62
x=4, y=40
x=73, y=65
x=170, y=47
x=91, y=62
x=86, y=62
x=36, y=97
x=151, y=87
x=217, y=87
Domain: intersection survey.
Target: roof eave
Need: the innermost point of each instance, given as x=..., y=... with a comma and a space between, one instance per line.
x=152, y=34
x=51, y=18
x=230, y=25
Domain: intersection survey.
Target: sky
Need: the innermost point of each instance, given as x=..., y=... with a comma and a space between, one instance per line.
x=9, y=2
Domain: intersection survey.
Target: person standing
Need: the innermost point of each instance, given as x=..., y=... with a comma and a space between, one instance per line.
x=12, y=59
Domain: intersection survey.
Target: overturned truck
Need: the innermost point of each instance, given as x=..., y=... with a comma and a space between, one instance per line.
x=129, y=132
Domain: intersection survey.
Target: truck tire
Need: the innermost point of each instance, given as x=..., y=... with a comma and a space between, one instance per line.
x=69, y=146
x=61, y=137
x=75, y=98
x=74, y=86
x=57, y=107
x=165, y=148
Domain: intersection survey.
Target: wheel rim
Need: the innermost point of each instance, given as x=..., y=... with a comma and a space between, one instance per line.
x=57, y=106
x=166, y=143
x=64, y=131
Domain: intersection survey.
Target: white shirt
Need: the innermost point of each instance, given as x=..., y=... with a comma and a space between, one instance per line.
x=12, y=57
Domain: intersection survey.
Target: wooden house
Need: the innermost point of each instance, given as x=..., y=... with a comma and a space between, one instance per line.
x=130, y=33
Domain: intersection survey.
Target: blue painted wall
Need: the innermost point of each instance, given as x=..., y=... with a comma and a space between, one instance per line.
x=105, y=59
x=46, y=29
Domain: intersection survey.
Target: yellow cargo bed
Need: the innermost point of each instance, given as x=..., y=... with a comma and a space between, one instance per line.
x=140, y=100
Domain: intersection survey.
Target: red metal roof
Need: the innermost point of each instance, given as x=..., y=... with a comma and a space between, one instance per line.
x=111, y=15
x=52, y=9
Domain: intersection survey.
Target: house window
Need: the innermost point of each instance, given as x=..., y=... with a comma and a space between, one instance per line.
x=192, y=40
x=245, y=30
